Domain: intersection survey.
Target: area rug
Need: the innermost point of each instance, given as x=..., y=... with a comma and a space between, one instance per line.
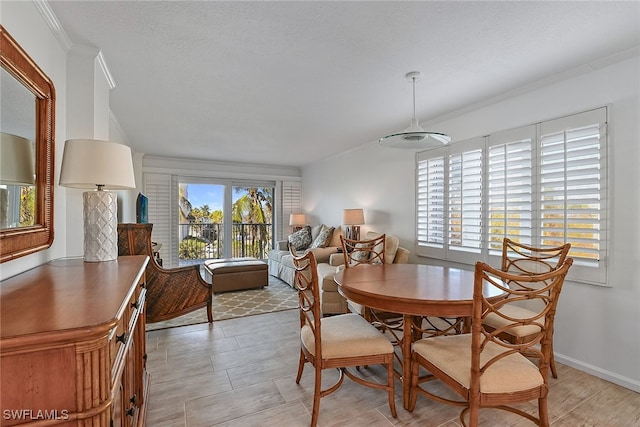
x=277, y=296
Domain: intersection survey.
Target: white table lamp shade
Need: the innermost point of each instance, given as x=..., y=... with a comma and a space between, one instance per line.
x=87, y=163
x=96, y=164
x=297, y=219
x=353, y=217
x=17, y=164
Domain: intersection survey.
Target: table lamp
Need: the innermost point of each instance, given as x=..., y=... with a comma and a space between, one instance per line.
x=102, y=165
x=297, y=220
x=16, y=169
x=352, y=218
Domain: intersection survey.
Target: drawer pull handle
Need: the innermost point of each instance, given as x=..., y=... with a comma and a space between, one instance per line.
x=122, y=338
x=130, y=412
x=134, y=305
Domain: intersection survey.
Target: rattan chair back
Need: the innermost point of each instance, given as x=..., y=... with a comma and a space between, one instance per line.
x=371, y=251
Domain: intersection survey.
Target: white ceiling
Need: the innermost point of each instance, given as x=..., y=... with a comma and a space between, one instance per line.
x=288, y=83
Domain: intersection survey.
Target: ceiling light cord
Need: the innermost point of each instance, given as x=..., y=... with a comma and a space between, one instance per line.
x=415, y=119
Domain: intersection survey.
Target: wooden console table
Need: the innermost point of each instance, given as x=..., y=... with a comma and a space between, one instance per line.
x=72, y=344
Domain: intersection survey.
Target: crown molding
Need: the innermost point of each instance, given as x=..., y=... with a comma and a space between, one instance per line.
x=105, y=70
x=53, y=23
x=61, y=35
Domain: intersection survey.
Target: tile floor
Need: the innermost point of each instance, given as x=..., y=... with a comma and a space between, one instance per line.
x=241, y=372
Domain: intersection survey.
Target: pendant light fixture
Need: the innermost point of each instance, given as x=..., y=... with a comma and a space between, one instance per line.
x=414, y=136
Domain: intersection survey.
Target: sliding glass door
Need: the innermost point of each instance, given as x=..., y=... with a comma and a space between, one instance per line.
x=225, y=219
x=252, y=217
x=200, y=221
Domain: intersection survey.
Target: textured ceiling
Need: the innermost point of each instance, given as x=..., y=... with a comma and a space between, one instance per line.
x=288, y=83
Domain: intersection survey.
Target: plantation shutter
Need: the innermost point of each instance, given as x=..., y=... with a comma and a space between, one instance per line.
x=573, y=186
x=291, y=202
x=431, y=202
x=541, y=185
x=157, y=187
x=465, y=187
x=510, y=187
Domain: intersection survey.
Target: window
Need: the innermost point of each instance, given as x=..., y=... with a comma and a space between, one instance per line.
x=542, y=185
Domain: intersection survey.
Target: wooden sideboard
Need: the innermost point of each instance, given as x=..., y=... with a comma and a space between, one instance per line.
x=72, y=344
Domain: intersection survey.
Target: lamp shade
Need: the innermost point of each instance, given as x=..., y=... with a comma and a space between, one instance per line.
x=87, y=163
x=414, y=136
x=353, y=217
x=297, y=219
x=16, y=160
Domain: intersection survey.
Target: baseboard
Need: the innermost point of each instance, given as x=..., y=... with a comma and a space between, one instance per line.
x=599, y=372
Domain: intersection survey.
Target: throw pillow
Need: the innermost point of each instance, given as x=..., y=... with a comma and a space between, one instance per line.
x=361, y=256
x=335, y=239
x=301, y=239
x=324, y=237
x=315, y=230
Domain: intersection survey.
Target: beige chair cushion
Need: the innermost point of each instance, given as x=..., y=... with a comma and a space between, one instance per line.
x=452, y=354
x=347, y=335
x=511, y=310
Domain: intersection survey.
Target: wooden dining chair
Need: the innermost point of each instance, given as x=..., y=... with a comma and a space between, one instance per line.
x=370, y=251
x=343, y=341
x=521, y=259
x=485, y=370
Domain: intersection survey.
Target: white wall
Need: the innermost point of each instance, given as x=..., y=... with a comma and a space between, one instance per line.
x=85, y=100
x=597, y=328
x=89, y=117
x=25, y=23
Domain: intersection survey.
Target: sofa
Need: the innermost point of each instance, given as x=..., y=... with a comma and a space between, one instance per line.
x=281, y=263
x=329, y=262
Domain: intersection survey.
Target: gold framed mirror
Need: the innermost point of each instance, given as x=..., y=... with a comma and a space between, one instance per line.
x=28, y=118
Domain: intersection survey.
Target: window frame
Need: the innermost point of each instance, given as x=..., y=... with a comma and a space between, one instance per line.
x=583, y=270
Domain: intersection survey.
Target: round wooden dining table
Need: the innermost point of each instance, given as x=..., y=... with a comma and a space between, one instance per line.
x=413, y=290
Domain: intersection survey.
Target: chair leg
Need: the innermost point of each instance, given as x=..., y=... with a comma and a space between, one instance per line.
x=301, y=363
x=543, y=412
x=413, y=392
x=552, y=363
x=316, y=397
x=474, y=412
x=390, y=384
x=209, y=311
x=474, y=408
x=366, y=313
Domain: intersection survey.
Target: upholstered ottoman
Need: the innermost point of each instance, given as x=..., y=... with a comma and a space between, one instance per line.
x=234, y=274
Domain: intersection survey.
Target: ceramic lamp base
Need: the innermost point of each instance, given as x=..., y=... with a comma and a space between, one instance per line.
x=100, y=226
x=352, y=232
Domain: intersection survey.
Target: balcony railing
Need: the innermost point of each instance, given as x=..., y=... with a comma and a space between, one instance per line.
x=201, y=241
